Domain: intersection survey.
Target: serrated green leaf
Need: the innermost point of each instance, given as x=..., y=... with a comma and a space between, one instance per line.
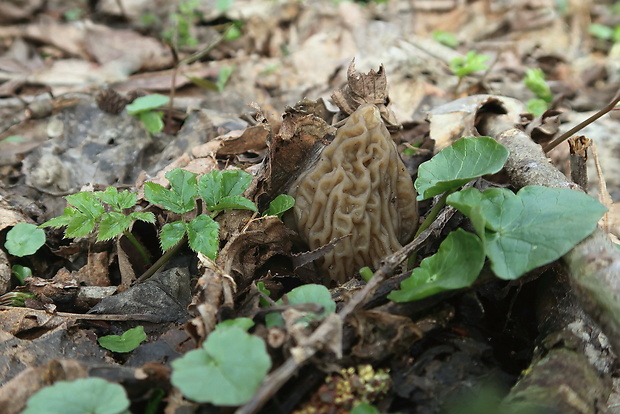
x=112, y=224
x=311, y=293
x=80, y=225
x=118, y=201
x=152, y=121
x=143, y=216
x=241, y=323
x=86, y=203
x=147, y=103
x=87, y=395
x=63, y=220
x=456, y=265
x=180, y=198
x=534, y=227
x=535, y=81
x=235, y=182
x=227, y=371
x=234, y=203
x=456, y=165
x=203, y=236
x=279, y=205
x=24, y=239
x=210, y=188
x=126, y=342
x=171, y=234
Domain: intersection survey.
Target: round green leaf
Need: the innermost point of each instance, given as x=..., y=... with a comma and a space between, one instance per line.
x=227, y=370
x=456, y=265
x=83, y=396
x=311, y=293
x=529, y=229
x=24, y=239
x=126, y=342
x=147, y=103
x=456, y=165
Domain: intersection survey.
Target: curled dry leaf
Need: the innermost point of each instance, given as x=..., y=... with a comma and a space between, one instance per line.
x=359, y=186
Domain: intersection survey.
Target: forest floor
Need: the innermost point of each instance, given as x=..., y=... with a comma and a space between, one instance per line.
x=245, y=79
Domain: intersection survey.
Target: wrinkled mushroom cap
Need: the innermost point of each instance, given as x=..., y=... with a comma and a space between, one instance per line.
x=358, y=187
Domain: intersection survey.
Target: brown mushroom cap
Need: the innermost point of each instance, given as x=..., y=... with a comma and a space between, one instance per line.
x=358, y=187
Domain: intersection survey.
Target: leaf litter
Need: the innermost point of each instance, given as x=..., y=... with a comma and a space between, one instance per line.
x=294, y=59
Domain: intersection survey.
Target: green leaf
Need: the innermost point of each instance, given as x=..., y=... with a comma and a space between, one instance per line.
x=112, y=224
x=147, y=103
x=530, y=229
x=535, y=81
x=126, y=342
x=234, y=203
x=224, y=5
x=21, y=272
x=365, y=408
x=279, y=205
x=472, y=62
x=203, y=236
x=88, y=395
x=456, y=265
x=537, y=107
x=180, y=198
x=152, y=121
x=216, y=185
x=366, y=273
x=242, y=323
x=118, y=201
x=456, y=165
x=227, y=371
x=63, y=220
x=86, y=203
x=311, y=293
x=261, y=288
x=143, y=216
x=235, y=182
x=223, y=76
x=24, y=239
x=171, y=234
x=601, y=31
x=445, y=38
x=16, y=139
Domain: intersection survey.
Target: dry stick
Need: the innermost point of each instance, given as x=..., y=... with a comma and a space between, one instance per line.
x=583, y=124
x=593, y=265
x=274, y=381
x=91, y=316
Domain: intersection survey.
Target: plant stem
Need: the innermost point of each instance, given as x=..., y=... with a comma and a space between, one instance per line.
x=138, y=246
x=161, y=261
x=432, y=215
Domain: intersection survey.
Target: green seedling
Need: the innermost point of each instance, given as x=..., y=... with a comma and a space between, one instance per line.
x=126, y=342
x=21, y=273
x=144, y=108
x=445, y=38
x=603, y=32
x=534, y=80
x=179, y=33
x=312, y=293
x=280, y=205
x=463, y=66
x=24, y=239
x=226, y=371
x=220, y=190
x=86, y=395
x=261, y=288
x=16, y=298
x=87, y=213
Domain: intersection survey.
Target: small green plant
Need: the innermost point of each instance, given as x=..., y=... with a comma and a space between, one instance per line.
x=21, y=273
x=15, y=298
x=86, y=214
x=534, y=80
x=516, y=232
x=126, y=342
x=463, y=66
x=24, y=239
x=445, y=38
x=279, y=205
x=73, y=14
x=603, y=32
x=226, y=371
x=144, y=108
x=311, y=293
x=179, y=33
x=87, y=395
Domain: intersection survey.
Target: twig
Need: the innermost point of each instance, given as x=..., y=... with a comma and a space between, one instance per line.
x=91, y=316
x=583, y=124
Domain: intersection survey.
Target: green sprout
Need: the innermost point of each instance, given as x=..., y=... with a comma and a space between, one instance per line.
x=534, y=80
x=144, y=108
x=463, y=66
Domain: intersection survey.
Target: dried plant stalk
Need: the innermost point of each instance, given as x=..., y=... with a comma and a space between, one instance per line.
x=358, y=187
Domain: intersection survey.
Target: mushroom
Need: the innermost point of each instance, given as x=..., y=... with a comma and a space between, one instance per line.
x=358, y=188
